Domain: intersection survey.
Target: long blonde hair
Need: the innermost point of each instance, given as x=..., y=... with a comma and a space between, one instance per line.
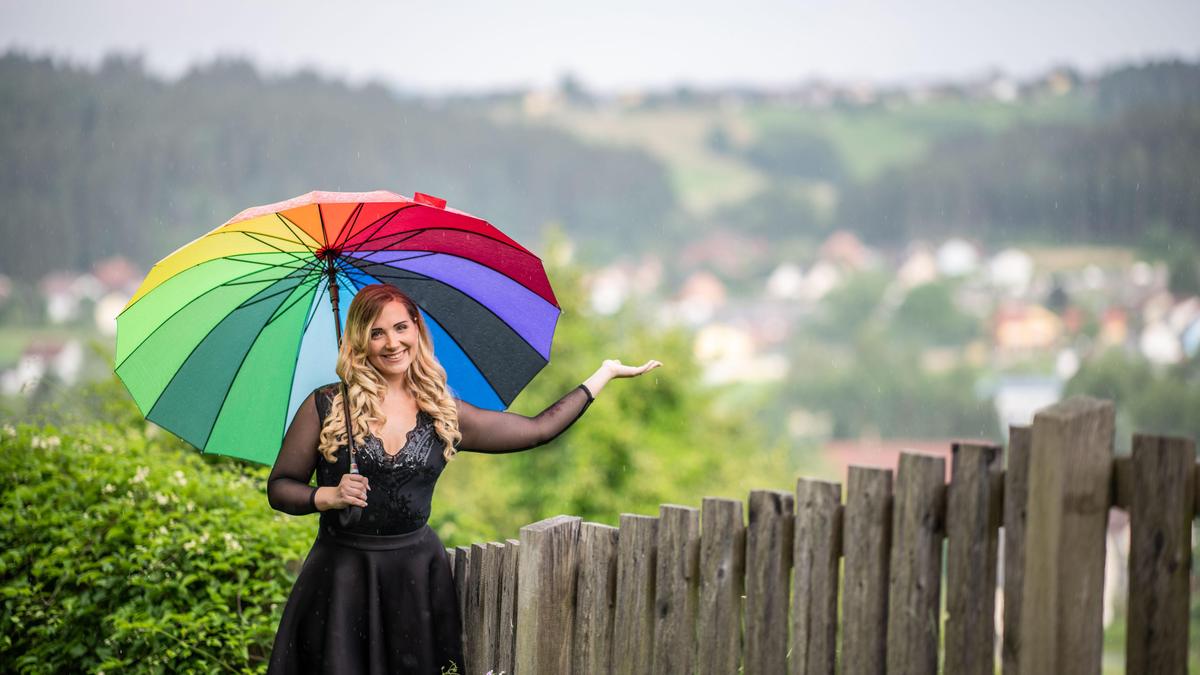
x=426, y=377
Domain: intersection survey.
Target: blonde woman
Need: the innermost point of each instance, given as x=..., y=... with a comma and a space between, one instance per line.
x=377, y=596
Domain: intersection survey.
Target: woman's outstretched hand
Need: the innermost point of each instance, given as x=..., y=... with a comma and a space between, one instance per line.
x=613, y=368
x=619, y=369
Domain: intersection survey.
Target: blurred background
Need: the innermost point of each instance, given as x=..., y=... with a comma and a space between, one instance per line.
x=847, y=228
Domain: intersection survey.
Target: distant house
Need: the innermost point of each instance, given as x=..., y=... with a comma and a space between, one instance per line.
x=1019, y=326
x=881, y=453
x=919, y=267
x=1018, y=397
x=1011, y=270
x=1114, y=327
x=844, y=249
x=64, y=360
x=699, y=299
x=957, y=257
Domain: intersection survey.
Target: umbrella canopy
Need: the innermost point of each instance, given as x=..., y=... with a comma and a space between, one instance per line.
x=227, y=335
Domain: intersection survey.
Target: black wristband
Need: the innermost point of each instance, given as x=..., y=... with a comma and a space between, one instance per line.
x=312, y=499
x=588, y=392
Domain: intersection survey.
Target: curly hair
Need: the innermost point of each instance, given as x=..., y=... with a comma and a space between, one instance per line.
x=426, y=377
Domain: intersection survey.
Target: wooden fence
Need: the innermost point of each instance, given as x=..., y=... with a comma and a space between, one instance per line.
x=706, y=591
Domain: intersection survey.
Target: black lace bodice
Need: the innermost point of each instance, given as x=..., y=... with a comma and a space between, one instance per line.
x=401, y=484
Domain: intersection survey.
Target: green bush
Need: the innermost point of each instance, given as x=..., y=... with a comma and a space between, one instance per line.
x=124, y=550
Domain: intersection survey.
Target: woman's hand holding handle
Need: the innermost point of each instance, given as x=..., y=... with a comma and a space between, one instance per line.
x=351, y=491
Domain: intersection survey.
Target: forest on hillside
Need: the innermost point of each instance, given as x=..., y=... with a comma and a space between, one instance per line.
x=115, y=161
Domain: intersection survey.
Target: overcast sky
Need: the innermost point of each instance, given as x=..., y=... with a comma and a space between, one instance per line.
x=463, y=45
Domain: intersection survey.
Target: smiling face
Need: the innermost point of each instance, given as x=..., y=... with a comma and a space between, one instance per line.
x=392, y=341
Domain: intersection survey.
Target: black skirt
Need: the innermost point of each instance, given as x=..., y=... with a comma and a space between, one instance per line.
x=371, y=604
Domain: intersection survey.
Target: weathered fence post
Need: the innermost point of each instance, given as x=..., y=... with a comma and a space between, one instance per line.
x=596, y=598
x=675, y=586
x=1016, y=496
x=462, y=584
x=633, y=627
x=546, y=595
x=722, y=580
x=768, y=565
x=815, y=553
x=1070, y=467
x=914, y=591
x=866, y=544
x=1160, y=555
x=506, y=648
x=972, y=530
x=482, y=609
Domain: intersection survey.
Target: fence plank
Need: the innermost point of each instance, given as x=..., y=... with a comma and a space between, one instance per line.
x=972, y=528
x=815, y=551
x=866, y=544
x=1016, y=494
x=546, y=595
x=675, y=587
x=489, y=606
x=722, y=578
x=506, y=638
x=1070, y=467
x=915, y=573
x=768, y=565
x=1160, y=554
x=633, y=627
x=462, y=580
x=475, y=645
x=595, y=598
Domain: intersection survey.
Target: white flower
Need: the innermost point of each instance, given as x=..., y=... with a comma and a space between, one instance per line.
x=140, y=476
x=108, y=489
x=180, y=478
x=189, y=545
x=162, y=529
x=53, y=442
x=190, y=506
x=162, y=499
x=10, y=431
x=231, y=542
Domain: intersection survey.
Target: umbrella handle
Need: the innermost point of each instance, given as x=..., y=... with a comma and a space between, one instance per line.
x=349, y=516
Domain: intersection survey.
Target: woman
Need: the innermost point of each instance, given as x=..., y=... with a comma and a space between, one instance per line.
x=377, y=596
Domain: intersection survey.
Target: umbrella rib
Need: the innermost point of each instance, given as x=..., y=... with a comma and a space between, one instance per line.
x=285, y=310
x=355, y=255
x=312, y=311
x=421, y=277
x=237, y=371
x=293, y=254
x=236, y=281
x=292, y=227
x=255, y=301
x=378, y=225
x=263, y=234
x=461, y=349
x=353, y=219
x=518, y=249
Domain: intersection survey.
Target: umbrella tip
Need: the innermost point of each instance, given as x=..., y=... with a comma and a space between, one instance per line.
x=429, y=200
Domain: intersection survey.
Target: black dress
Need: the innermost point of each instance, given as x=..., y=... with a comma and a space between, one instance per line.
x=378, y=597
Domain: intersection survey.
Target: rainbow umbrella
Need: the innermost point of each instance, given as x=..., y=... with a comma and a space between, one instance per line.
x=227, y=335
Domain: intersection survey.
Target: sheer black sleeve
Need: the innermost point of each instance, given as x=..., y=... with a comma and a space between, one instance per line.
x=498, y=432
x=287, y=487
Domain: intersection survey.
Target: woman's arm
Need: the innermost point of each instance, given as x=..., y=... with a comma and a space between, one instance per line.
x=498, y=432
x=287, y=487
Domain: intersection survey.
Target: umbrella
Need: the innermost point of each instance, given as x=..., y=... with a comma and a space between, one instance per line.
x=227, y=335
